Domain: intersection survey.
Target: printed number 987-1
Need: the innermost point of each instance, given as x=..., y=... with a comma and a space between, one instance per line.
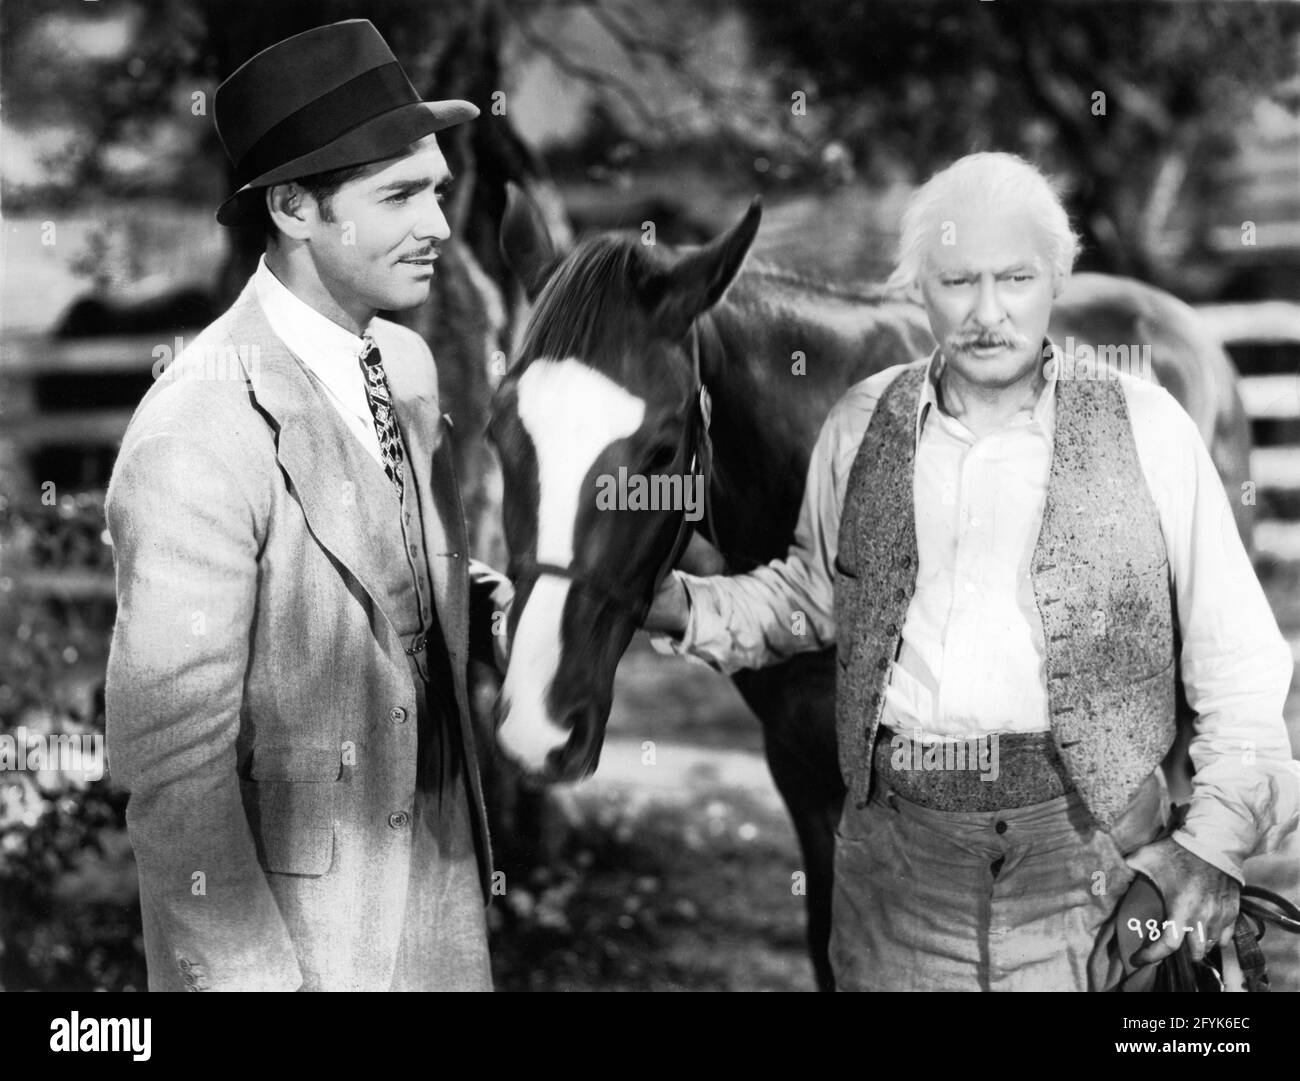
x=1154, y=931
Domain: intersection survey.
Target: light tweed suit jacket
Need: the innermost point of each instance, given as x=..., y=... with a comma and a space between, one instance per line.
x=255, y=671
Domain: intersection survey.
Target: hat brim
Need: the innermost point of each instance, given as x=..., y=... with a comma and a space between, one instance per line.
x=385, y=136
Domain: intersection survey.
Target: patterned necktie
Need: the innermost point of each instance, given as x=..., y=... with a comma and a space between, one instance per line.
x=381, y=408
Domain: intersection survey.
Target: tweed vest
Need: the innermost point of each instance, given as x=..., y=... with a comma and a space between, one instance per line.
x=1100, y=577
x=419, y=624
x=416, y=592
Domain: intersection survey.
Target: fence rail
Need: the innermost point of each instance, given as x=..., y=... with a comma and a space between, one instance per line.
x=124, y=355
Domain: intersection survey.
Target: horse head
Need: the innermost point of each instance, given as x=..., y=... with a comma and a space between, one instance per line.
x=601, y=428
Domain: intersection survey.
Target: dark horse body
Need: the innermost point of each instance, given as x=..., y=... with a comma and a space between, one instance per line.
x=765, y=420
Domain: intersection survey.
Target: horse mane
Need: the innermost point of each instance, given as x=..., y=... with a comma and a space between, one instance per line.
x=583, y=308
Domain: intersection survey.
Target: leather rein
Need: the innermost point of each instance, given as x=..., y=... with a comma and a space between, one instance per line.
x=699, y=453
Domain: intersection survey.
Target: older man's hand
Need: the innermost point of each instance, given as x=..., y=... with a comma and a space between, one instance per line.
x=669, y=609
x=1197, y=895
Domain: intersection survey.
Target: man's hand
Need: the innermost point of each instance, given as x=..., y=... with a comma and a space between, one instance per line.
x=1197, y=896
x=670, y=608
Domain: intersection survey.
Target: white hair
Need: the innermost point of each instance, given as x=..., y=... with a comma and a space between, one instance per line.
x=992, y=182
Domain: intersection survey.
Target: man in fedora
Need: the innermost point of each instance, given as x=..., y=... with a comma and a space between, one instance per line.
x=286, y=690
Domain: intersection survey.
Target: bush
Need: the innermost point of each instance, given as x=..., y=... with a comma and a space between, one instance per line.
x=68, y=894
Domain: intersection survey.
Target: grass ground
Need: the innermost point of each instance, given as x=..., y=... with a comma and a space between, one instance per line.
x=683, y=890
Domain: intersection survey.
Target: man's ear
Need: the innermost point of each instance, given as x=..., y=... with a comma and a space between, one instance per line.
x=285, y=207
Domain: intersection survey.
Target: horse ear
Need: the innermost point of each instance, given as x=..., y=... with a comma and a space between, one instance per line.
x=698, y=281
x=525, y=241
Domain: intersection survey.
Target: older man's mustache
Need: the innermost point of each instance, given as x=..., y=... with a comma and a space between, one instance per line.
x=965, y=341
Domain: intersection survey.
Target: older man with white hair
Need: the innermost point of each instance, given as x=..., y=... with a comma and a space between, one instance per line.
x=1018, y=564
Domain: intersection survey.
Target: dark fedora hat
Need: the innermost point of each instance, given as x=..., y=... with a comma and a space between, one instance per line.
x=325, y=99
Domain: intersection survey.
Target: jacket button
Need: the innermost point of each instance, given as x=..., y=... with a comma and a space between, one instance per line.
x=900, y=594
x=883, y=663
x=399, y=820
x=397, y=715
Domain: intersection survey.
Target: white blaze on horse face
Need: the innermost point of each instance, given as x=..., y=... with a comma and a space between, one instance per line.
x=571, y=412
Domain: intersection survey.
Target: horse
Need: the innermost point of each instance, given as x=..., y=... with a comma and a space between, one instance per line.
x=688, y=362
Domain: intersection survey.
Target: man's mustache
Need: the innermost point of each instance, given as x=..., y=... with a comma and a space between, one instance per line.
x=435, y=250
x=964, y=341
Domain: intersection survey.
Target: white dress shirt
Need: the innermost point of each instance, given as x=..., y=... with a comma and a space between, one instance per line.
x=330, y=353
x=972, y=659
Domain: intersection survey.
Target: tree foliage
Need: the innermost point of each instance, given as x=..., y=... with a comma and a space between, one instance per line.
x=922, y=83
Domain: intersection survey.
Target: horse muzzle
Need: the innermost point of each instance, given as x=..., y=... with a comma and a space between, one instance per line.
x=550, y=752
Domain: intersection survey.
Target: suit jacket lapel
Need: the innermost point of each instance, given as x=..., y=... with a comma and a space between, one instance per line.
x=350, y=505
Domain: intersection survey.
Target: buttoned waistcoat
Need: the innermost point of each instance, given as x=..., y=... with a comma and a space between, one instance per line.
x=1101, y=584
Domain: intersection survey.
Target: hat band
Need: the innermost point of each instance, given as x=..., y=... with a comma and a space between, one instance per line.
x=328, y=117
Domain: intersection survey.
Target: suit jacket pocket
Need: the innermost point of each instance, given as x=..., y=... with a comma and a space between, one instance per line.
x=292, y=824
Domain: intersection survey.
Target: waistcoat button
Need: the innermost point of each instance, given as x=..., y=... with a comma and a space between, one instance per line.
x=399, y=820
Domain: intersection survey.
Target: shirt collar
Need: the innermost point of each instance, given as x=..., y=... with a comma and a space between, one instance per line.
x=330, y=352
x=1044, y=412
x=306, y=332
